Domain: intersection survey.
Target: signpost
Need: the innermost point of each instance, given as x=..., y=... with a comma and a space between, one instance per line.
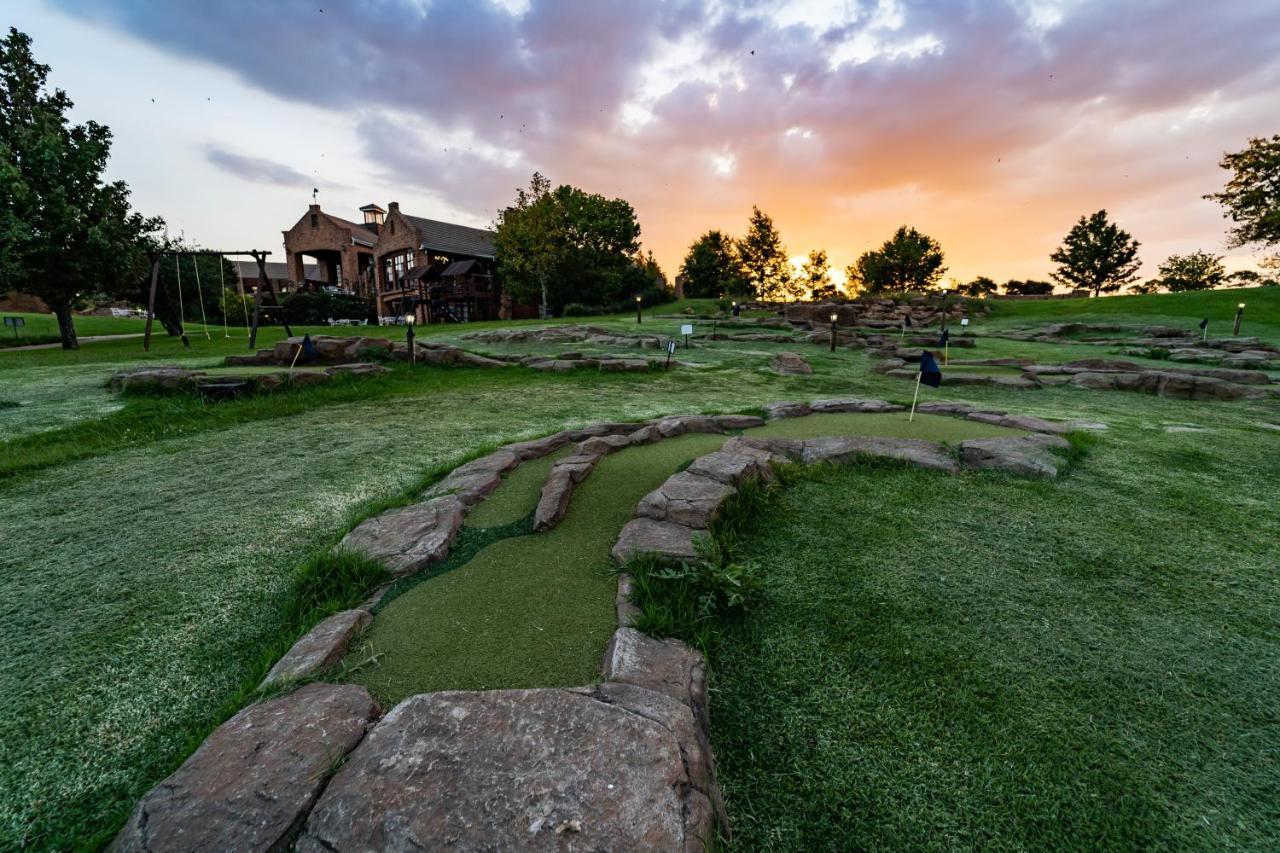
x=671, y=349
x=964, y=324
x=14, y=323
x=686, y=330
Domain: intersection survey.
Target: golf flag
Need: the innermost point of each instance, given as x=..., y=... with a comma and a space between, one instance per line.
x=906, y=321
x=309, y=351
x=1204, y=324
x=930, y=373
x=1204, y=328
x=943, y=338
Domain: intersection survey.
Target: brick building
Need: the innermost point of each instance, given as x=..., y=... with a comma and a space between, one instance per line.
x=438, y=271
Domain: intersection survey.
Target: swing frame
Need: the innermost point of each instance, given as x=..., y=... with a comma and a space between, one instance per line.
x=258, y=255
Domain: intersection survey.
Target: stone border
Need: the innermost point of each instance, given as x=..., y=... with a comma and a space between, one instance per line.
x=625, y=763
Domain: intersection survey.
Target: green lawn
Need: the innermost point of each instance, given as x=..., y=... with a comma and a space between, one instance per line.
x=148, y=544
x=43, y=328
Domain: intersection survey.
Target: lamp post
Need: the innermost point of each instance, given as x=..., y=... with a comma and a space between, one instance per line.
x=637, y=310
x=1239, y=317
x=736, y=310
x=409, y=320
x=834, y=316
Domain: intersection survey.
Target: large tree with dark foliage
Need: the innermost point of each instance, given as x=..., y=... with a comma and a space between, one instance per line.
x=1096, y=255
x=764, y=260
x=1252, y=196
x=815, y=277
x=711, y=268
x=908, y=261
x=1029, y=287
x=1196, y=271
x=567, y=245
x=64, y=232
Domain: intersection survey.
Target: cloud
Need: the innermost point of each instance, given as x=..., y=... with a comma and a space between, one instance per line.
x=257, y=170
x=983, y=120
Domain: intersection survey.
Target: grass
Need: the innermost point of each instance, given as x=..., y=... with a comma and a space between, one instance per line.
x=142, y=575
x=43, y=328
x=964, y=662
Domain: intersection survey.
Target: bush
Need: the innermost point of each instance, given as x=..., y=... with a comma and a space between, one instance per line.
x=578, y=309
x=692, y=600
x=315, y=309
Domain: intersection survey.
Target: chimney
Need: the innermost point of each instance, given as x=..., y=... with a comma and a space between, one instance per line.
x=393, y=207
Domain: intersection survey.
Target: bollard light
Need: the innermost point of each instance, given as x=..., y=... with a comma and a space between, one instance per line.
x=637, y=310
x=1239, y=317
x=834, y=317
x=409, y=320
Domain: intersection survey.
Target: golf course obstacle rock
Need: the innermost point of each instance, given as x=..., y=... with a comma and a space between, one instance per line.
x=185, y=380
x=335, y=350
x=1028, y=456
x=790, y=364
x=880, y=313
x=409, y=538
x=253, y=781
x=613, y=767
x=558, y=488
x=320, y=648
x=571, y=334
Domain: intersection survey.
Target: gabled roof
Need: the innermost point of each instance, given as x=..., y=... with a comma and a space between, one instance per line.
x=456, y=239
x=461, y=268
x=359, y=233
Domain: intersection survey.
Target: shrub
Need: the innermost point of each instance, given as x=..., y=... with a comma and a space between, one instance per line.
x=315, y=309
x=691, y=600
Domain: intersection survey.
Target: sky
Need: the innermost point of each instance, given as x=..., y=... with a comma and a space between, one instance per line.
x=991, y=125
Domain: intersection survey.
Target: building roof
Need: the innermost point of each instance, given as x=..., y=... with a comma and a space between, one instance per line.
x=276, y=270
x=461, y=268
x=359, y=233
x=456, y=239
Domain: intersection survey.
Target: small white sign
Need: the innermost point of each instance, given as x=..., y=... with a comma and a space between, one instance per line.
x=671, y=347
x=964, y=321
x=686, y=329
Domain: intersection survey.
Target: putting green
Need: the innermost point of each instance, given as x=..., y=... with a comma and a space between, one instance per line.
x=536, y=610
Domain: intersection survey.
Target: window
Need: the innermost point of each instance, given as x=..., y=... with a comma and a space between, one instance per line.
x=394, y=268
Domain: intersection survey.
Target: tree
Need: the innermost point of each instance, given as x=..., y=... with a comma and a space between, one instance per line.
x=1096, y=255
x=1196, y=271
x=712, y=269
x=1252, y=196
x=764, y=259
x=63, y=232
x=815, y=277
x=908, y=261
x=980, y=286
x=1141, y=288
x=567, y=245
x=1030, y=287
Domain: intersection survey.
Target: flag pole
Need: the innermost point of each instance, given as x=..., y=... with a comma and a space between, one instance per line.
x=1204, y=336
x=912, y=416
x=946, y=351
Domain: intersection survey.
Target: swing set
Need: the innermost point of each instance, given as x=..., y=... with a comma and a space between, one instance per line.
x=259, y=305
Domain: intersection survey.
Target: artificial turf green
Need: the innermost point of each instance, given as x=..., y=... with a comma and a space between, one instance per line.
x=530, y=611
x=517, y=495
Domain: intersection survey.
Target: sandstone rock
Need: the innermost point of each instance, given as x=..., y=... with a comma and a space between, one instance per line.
x=645, y=435
x=409, y=538
x=926, y=454
x=647, y=536
x=627, y=612
x=360, y=368
x=472, y=360
x=853, y=404
x=1096, y=381
x=735, y=422
x=759, y=449
x=302, y=378
x=727, y=467
x=610, y=768
x=629, y=365
x=552, y=365
x=667, y=666
x=786, y=409
x=602, y=445
x=1018, y=382
x=577, y=466
x=686, y=499
x=790, y=364
x=251, y=783
x=949, y=408
x=321, y=647
x=470, y=487
x=1027, y=422
x=1025, y=457
x=538, y=447
x=554, y=503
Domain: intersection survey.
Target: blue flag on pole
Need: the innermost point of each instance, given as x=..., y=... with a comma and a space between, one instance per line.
x=943, y=338
x=1204, y=324
x=906, y=321
x=309, y=351
x=930, y=373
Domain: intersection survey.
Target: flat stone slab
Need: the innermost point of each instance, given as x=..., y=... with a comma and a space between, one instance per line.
x=916, y=451
x=1027, y=422
x=251, y=783
x=647, y=536
x=854, y=404
x=667, y=666
x=1027, y=456
x=790, y=364
x=612, y=768
x=728, y=467
x=321, y=647
x=685, y=498
x=409, y=538
x=786, y=409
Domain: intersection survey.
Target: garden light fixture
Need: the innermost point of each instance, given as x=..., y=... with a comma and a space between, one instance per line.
x=637, y=310
x=409, y=320
x=1239, y=317
x=834, y=317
